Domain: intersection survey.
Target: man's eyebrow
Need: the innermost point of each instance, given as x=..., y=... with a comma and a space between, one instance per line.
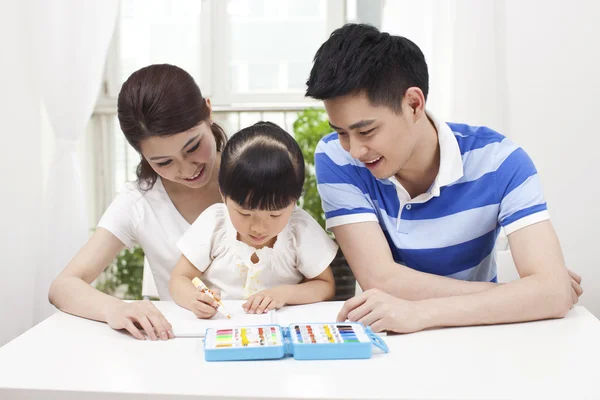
x=361, y=124
x=334, y=127
x=356, y=125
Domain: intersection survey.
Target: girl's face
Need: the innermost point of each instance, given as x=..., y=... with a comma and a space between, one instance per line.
x=187, y=158
x=258, y=228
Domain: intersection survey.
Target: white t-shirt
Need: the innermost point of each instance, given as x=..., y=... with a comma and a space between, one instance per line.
x=151, y=220
x=301, y=250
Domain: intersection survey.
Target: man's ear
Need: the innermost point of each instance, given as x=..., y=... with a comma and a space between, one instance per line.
x=415, y=102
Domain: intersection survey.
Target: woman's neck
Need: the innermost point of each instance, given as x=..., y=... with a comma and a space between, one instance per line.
x=175, y=189
x=191, y=202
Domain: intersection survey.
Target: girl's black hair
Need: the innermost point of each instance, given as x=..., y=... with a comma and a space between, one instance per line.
x=262, y=168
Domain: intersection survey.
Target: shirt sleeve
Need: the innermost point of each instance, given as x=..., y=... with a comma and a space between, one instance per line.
x=343, y=191
x=196, y=244
x=122, y=216
x=314, y=248
x=522, y=200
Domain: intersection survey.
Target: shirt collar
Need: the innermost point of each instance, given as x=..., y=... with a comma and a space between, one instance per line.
x=451, y=164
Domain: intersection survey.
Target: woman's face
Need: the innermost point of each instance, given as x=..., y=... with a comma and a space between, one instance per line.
x=187, y=158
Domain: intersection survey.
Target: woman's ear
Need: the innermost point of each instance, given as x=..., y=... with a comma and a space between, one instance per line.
x=209, y=111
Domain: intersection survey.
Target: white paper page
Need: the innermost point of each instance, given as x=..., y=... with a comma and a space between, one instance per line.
x=324, y=312
x=186, y=324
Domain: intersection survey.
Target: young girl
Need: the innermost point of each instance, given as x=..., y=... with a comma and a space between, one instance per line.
x=257, y=245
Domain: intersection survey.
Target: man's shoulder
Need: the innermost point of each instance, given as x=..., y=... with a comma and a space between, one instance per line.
x=333, y=164
x=330, y=147
x=330, y=153
x=471, y=137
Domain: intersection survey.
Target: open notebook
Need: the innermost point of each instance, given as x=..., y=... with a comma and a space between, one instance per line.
x=185, y=323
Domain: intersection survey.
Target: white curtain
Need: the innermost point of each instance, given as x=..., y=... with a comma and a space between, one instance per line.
x=71, y=39
x=463, y=43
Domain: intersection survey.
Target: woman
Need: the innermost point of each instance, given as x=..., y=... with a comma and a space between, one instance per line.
x=165, y=118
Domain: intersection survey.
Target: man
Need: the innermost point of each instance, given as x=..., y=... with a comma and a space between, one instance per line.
x=416, y=204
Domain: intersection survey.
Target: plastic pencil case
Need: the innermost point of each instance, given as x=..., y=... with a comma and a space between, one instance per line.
x=316, y=341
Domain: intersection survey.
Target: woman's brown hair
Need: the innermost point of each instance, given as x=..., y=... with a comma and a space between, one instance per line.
x=161, y=100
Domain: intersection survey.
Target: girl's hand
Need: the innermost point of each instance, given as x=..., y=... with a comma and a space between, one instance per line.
x=265, y=301
x=140, y=315
x=203, y=306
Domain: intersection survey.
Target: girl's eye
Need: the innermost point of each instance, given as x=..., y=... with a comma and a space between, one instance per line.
x=276, y=216
x=341, y=133
x=242, y=214
x=193, y=149
x=164, y=163
x=367, y=132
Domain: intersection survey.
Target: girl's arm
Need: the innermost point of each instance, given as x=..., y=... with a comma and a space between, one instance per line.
x=186, y=295
x=72, y=292
x=319, y=288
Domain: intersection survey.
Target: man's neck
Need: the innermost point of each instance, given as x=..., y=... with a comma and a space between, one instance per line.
x=422, y=168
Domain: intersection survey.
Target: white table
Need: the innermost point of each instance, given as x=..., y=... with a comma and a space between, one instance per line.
x=72, y=358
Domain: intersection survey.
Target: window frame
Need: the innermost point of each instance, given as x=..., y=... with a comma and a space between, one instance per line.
x=214, y=67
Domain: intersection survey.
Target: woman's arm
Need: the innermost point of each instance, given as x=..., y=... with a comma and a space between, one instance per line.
x=72, y=292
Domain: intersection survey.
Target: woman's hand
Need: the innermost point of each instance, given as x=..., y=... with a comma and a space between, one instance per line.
x=137, y=316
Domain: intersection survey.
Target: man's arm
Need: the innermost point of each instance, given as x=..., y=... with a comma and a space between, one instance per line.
x=370, y=258
x=544, y=291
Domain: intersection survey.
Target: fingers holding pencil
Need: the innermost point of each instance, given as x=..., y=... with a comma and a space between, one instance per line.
x=204, y=306
x=215, y=296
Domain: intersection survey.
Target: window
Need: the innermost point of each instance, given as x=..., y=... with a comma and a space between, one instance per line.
x=250, y=57
x=269, y=46
x=238, y=51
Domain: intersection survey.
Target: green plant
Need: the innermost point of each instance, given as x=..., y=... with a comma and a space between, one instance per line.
x=123, y=277
x=310, y=126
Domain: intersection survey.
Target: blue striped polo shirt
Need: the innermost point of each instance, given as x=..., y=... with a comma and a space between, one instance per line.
x=485, y=182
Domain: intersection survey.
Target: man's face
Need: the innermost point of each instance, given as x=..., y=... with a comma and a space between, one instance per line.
x=375, y=135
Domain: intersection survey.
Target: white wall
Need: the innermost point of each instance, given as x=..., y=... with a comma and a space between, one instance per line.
x=529, y=69
x=20, y=163
x=553, y=60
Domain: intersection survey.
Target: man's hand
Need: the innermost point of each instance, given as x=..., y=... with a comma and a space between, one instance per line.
x=576, y=290
x=383, y=312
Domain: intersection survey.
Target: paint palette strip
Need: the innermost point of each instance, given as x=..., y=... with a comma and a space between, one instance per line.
x=242, y=337
x=328, y=333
